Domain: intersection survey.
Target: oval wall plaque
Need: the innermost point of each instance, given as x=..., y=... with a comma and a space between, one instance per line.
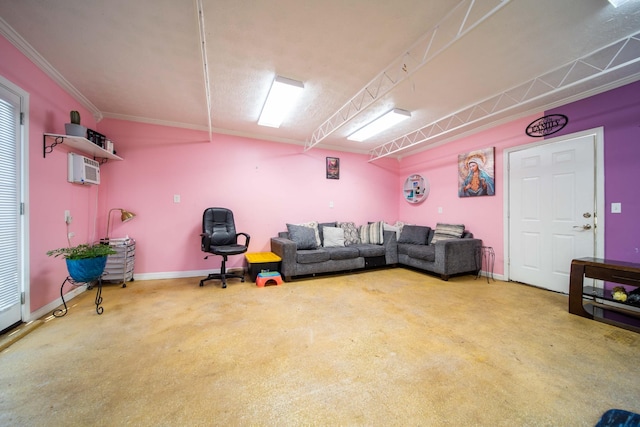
x=547, y=125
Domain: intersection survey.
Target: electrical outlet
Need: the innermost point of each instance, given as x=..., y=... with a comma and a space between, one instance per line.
x=67, y=217
x=176, y=198
x=616, y=207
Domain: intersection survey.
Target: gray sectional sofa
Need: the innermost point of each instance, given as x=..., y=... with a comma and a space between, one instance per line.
x=418, y=247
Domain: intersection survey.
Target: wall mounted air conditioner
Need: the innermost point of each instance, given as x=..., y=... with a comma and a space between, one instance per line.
x=83, y=170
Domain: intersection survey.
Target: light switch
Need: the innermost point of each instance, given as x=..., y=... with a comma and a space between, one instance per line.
x=331, y=204
x=616, y=207
x=176, y=198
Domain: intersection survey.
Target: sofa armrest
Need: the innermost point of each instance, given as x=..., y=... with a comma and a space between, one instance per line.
x=457, y=256
x=285, y=249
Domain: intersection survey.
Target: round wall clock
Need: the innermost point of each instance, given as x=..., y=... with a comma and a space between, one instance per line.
x=415, y=189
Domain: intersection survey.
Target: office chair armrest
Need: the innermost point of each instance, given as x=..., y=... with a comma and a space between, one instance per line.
x=246, y=238
x=206, y=241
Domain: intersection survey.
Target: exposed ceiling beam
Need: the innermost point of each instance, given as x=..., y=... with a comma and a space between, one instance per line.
x=205, y=64
x=615, y=56
x=464, y=17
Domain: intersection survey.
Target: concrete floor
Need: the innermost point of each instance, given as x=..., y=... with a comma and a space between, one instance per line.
x=386, y=347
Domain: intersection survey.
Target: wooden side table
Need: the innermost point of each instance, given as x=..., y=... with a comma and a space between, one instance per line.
x=627, y=273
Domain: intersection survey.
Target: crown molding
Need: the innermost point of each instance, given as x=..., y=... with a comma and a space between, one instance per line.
x=32, y=54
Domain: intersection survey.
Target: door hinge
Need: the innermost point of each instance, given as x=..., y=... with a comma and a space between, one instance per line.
x=21, y=208
x=21, y=119
x=22, y=298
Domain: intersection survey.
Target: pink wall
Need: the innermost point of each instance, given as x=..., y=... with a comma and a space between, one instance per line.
x=483, y=216
x=49, y=193
x=266, y=184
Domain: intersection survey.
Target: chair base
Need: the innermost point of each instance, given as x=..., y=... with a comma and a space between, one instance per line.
x=222, y=277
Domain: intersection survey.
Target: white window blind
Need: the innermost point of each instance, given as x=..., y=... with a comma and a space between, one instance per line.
x=9, y=200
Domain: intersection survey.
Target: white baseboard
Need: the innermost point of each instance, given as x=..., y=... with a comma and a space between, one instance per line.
x=181, y=274
x=45, y=310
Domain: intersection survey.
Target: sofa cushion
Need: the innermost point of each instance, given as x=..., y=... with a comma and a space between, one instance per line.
x=348, y=252
x=351, y=235
x=423, y=252
x=369, y=250
x=372, y=233
x=304, y=237
x=403, y=248
x=312, y=256
x=414, y=234
x=447, y=231
x=332, y=237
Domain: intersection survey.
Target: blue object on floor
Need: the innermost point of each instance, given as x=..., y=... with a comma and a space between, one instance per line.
x=619, y=418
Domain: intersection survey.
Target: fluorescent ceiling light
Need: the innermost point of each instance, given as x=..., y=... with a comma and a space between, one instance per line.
x=617, y=3
x=281, y=98
x=384, y=122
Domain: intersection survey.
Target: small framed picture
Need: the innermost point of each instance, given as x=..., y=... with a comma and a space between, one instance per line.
x=333, y=168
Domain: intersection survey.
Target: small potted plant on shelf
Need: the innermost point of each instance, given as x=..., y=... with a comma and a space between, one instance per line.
x=85, y=263
x=75, y=128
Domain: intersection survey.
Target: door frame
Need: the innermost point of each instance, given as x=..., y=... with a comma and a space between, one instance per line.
x=599, y=207
x=24, y=267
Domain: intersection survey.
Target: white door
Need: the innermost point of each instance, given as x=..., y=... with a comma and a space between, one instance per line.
x=10, y=276
x=552, y=210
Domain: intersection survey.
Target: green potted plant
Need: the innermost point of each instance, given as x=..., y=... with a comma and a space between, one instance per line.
x=85, y=262
x=75, y=128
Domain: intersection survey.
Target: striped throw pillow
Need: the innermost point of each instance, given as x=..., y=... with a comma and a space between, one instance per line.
x=372, y=233
x=447, y=231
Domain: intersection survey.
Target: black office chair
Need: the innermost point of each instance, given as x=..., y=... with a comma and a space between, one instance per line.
x=219, y=237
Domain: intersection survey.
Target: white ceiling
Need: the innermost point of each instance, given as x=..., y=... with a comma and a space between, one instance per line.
x=142, y=60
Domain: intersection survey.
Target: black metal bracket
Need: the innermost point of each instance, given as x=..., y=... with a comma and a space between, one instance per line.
x=47, y=150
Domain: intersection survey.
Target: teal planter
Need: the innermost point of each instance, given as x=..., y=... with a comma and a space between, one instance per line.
x=86, y=269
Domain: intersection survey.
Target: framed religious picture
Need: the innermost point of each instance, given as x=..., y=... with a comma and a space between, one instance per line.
x=333, y=168
x=476, y=173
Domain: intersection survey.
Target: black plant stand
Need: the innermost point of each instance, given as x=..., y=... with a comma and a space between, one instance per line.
x=487, y=258
x=99, y=309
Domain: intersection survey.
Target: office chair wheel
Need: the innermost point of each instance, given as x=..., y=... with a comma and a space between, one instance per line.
x=201, y=283
x=224, y=285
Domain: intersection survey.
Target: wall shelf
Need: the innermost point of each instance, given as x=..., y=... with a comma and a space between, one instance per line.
x=415, y=189
x=78, y=143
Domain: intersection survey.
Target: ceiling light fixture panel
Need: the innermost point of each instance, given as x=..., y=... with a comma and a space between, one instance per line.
x=382, y=123
x=617, y=3
x=281, y=98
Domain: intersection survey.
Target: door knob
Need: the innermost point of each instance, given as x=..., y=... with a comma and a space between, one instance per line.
x=584, y=227
x=586, y=215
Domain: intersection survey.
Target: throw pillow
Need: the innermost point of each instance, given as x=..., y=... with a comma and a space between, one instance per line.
x=351, y=235
x=372, y=233
x=321, y=227
x=313, y=225
x=304, y=237
x=333, y=237
x=447, y=231
x=414, y=234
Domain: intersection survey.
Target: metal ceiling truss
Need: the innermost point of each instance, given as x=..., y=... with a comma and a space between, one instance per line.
x=465, y=16
x=613, y=57
x=205, y=63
